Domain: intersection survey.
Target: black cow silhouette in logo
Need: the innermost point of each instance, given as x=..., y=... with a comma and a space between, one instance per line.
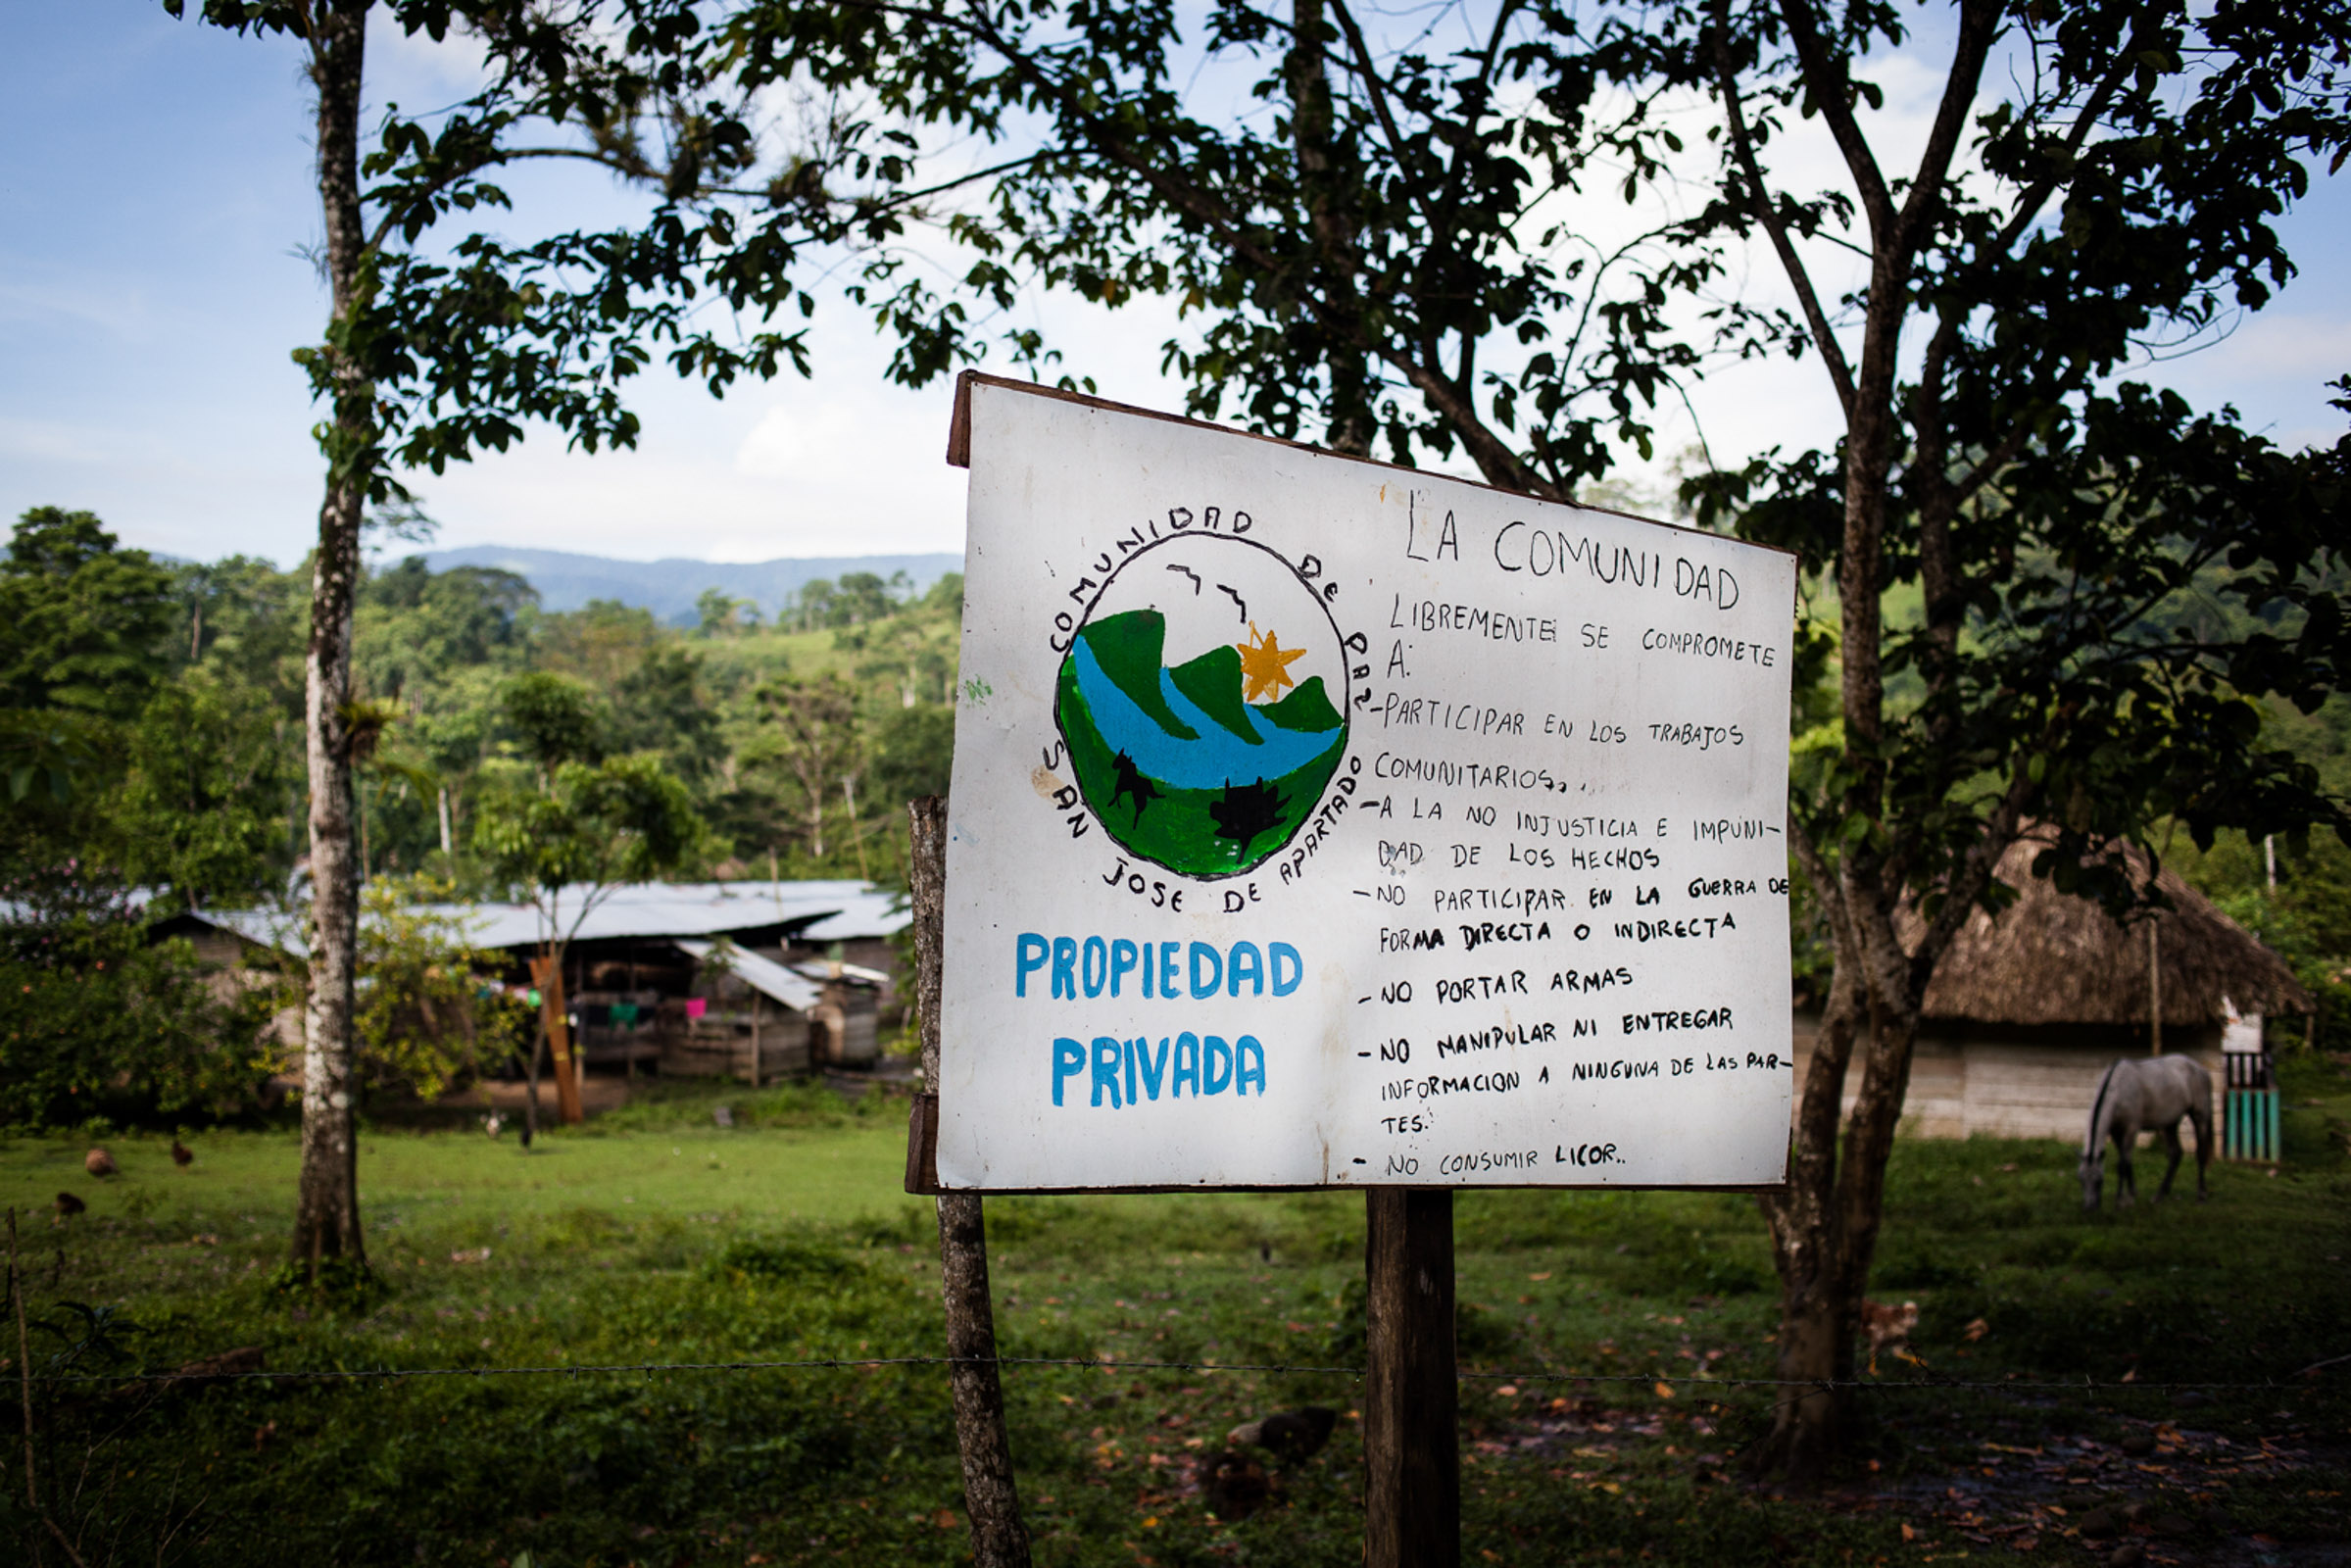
x=1132, y=784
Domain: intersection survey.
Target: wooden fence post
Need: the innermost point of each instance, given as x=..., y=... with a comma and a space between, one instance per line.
x=999, y=1538
x=1412, y=1401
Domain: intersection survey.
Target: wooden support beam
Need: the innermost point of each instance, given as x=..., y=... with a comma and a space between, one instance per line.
x=998, y=1537
x=1411, y=1447
x=548, y=975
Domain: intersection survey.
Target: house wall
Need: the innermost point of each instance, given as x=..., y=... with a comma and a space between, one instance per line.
x=845, y=1033
x=719, y=1043
x=1982, y=1080
x=216, y=946
x=871, y=952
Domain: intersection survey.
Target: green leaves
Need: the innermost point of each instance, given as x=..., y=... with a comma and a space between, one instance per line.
x=421, y=1018
x=624, y=820
x=555, y=718
x=82, y=623
x=105, y=1020
x=445, y=345
x=201, y=808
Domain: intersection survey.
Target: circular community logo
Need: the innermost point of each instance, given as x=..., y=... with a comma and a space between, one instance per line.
x=1204, y=704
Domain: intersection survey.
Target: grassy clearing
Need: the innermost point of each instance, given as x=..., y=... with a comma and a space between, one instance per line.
x=658, y=1237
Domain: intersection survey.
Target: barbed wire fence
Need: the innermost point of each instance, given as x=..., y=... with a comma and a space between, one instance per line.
x=1698, y=1385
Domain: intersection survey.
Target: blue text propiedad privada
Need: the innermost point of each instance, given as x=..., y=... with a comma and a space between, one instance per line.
x=1204, y=1063
x=1122, y=1072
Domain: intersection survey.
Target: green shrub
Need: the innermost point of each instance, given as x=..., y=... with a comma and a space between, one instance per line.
x=103, y=1022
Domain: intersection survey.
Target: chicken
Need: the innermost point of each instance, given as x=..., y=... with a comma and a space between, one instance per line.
x=1233, y=1486
x=68, y=1206
x=492, y=1122
x=1889, y=1326
x=1287, y=1434
x=181, y=1154
x=98, y=1162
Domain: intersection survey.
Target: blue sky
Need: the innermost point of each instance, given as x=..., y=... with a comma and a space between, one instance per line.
x=155, y=198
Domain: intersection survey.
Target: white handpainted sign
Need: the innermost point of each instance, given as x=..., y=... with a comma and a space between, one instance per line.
x=1318, y=822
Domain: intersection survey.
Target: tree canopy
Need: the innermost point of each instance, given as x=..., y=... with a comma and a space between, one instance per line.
x=1390, y=231
x=81, y=620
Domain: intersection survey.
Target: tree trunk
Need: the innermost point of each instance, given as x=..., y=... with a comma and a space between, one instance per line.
x=326, y=1222
x=1825, y=1224
x=1331, y=211
x=1805, y=1421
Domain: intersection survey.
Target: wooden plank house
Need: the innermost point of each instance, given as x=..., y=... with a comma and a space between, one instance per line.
x=694, y=979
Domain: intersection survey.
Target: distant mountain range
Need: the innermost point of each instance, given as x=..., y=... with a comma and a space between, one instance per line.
x=668, y=588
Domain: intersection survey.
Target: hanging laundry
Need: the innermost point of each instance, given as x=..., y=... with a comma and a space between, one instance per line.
x=695, y=1006
x=624, y=1016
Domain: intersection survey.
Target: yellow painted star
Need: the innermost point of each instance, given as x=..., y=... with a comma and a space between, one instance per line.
x=1265, y=664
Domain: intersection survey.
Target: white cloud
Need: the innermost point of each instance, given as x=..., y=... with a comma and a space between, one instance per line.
x=56, y=305
x=790, y=443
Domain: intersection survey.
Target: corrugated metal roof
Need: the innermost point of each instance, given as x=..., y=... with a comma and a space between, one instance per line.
x=763, y=976
x=822, y=969
x=827, y=911
x=868, y=913
x=265, y=927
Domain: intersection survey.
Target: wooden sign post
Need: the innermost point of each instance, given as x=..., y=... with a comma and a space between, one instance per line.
x=1411, y=1396
x=1324, y=824
x=998, y=1537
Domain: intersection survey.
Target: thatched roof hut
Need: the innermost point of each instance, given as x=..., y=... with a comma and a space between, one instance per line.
x=2026, y=1009
x=2051, y=957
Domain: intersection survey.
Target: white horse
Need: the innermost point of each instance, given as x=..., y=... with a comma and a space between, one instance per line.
x=2140, y=1094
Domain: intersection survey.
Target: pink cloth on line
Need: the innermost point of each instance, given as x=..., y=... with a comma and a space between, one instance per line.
x=695, y=1006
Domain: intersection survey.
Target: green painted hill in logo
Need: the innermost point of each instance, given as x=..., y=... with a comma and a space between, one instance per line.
x=1178, y=766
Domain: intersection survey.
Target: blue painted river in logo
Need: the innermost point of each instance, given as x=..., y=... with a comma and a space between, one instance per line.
x=1216, y=759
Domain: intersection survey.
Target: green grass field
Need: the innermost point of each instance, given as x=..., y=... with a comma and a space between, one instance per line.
x=656, y=1237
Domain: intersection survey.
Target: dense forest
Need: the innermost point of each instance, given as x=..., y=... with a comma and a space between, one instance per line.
x=154, y=714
